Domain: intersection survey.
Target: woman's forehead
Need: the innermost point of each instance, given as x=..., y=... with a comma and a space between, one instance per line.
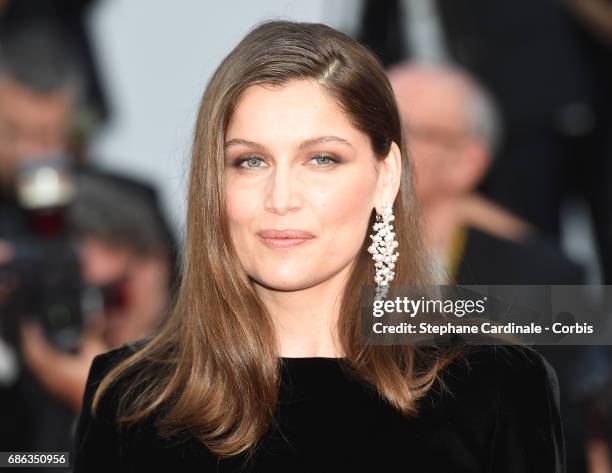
x=290, y=113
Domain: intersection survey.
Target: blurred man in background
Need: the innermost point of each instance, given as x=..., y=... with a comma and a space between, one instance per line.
x=36, y=102
x=125, y=252
x=452, y=130
x=54, y=215
x=548, y=65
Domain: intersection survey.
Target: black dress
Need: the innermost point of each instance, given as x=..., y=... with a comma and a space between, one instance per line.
x=502, y=416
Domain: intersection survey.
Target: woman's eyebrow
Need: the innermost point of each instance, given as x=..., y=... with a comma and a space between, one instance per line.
x=303, y=144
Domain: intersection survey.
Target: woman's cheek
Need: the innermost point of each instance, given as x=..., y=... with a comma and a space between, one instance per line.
x=239, y=204
x=348, y=200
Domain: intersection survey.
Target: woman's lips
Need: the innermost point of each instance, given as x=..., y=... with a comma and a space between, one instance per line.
x=284, y=238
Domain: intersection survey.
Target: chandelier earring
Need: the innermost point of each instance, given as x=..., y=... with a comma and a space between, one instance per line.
x=383, y=250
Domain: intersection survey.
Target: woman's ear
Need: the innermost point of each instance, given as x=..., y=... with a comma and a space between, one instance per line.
x=389, y=177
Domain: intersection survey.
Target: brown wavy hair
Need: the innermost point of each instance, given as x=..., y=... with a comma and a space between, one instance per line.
x=212, y=369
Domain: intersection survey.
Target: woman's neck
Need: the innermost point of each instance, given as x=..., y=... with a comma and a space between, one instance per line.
x=305, y=320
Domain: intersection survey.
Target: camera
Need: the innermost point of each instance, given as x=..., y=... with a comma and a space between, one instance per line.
x=40, y=271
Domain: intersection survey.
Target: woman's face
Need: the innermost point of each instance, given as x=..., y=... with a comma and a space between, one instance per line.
x=294, y=163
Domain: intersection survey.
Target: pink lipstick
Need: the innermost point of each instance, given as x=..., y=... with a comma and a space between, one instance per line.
x=284, y=238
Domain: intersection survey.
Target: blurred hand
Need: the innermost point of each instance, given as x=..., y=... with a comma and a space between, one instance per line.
x=146, y=286
x=597, y=14
x=6, y=252
x=148, y=297
x=598, y=455
x=64, y=375
x=7, y=282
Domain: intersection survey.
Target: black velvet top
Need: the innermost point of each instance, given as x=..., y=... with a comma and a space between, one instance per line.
x=502, y=416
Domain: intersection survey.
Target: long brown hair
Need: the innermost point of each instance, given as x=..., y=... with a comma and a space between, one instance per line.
x=213, y=365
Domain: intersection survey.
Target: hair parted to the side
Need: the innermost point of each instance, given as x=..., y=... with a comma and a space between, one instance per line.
x=213, y=366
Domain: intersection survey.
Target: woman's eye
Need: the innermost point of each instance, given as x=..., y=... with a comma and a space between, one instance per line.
x=324, y=160
x=253, y=162
x=250, y=162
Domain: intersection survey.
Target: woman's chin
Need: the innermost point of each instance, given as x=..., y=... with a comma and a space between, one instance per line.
x=283, y=282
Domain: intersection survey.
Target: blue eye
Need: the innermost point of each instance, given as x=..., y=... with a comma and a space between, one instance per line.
x=324, y=160
x=251, y=162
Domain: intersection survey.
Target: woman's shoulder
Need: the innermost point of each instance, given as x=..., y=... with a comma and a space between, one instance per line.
x=528, y=431
x=505, y=356
x=101, y=365
x=98, y=437
x=508, y=374
x=504, y=361
x=505, y=400
x=104, y=362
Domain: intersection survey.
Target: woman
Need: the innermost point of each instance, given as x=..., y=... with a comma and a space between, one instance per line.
x=298, y=152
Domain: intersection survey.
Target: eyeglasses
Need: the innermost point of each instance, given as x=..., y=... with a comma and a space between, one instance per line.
x=440, y=136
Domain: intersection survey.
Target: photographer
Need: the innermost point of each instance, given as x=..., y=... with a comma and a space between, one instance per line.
x=39, y=87
x=87, y=261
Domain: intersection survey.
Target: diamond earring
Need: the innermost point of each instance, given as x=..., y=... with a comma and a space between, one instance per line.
x=383, y=250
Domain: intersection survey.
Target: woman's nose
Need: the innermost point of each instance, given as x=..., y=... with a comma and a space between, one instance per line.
x=283, y=194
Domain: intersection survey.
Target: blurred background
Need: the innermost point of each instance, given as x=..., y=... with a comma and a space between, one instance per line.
x=507, y=105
